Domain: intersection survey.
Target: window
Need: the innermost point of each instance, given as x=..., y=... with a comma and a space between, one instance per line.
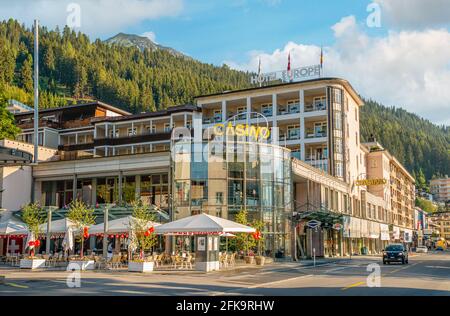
x=320, y=129
x=219, y=198
x=151, y=130
x=132, y=131
x=356, y=113
x=293, y=131
x=266, y=109
x=114, y=133
x=356, y=140
x=189, y=124
x=319, y=103
x=293, y=106
x=166, y=127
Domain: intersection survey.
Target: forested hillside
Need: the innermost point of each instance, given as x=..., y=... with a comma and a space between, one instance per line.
x=73, y=69
x=416, y=142
x=73, y=66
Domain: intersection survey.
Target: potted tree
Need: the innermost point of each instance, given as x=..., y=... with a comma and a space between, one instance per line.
x=82, y=217
x=142, y=238
x=259, y=240
x=31, y=216
x=244, y=242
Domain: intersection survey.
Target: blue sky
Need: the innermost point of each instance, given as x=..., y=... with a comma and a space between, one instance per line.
x=214, y=31
x=405, y=62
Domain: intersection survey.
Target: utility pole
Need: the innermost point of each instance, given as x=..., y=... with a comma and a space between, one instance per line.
x=36, y=90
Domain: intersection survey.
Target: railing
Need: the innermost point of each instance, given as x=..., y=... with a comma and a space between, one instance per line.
x=318, y=106
x=215, y=119
x=291, y=109
x=16, y=153
x=321, y=164
x=310, y=133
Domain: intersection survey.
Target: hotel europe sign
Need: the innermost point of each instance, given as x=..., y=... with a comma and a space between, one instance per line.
x=296, y=74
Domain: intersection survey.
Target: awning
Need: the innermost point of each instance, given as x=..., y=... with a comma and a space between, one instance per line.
x=407, y=235
x=374, y=230
x=395, y=232
x=59, y=226
x=202, y=224
x=352, y=227
x=384, y=230
x=10, y=226
x=120, y=225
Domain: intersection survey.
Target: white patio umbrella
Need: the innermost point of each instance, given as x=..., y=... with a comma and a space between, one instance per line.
x=203, y=223
x=120, y=225
x=67, y=242
x=10, y=226
x=30, y=238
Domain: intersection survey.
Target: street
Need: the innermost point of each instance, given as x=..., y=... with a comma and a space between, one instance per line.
x=426, y=274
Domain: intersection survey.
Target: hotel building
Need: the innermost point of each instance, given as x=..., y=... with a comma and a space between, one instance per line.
x=319, y=168
x=440, y=188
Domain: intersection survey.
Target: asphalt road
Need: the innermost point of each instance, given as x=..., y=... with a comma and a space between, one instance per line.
x=426, y=274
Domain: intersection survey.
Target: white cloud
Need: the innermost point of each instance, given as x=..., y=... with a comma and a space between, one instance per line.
x=410, y=69
x=98, y=17
x=415, y=14
x=150, y=35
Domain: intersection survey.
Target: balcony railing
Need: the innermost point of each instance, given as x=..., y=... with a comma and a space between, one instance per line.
x=317, y=106
x=317, y=162
x=311, y=133
x=291, y=109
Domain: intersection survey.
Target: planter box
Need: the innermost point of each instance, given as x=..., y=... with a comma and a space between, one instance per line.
x=140, y=266
x=249, y=259
x=83, y=264
x=260, y=260
x=32, y=263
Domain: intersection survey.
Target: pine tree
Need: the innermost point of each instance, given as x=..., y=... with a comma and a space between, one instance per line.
x=26, y=74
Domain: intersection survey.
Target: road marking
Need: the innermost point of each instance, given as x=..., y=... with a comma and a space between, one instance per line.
x=403, y=268
x=353, y=285
x=261, y=285
x=16, y=285
x=437, y=267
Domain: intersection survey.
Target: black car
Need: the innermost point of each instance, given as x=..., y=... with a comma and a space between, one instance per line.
x=395, y=253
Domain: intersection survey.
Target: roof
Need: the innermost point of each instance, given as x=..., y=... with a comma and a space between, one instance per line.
x=203, y=223
x=168, y=111
x=334, y=80
x=120, y=225
x=74, y=106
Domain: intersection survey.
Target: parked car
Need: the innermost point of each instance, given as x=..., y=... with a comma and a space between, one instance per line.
x=423, y=249
x=395, y=253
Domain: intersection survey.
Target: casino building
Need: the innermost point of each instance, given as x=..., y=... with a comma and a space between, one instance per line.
x=311, y=166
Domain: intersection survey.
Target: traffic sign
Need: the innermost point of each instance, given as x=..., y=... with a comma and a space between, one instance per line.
x=313, y=223
x=337, y=226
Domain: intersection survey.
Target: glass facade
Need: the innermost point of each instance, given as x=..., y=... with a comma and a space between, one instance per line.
x=220, y=179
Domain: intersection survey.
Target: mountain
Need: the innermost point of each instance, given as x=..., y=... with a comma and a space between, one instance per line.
x=74, y=69
x=415, y=142
x=141, y=42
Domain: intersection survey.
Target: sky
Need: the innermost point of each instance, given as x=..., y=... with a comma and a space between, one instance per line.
x=396, y=52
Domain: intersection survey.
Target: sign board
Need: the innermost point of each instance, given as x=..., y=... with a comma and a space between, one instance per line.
x=296, y=74
x=369, y=182
x=337, y=226
x=313, y=223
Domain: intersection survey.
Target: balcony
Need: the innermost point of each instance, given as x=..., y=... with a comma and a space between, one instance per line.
x=289, y=109
x=316, y=106
x=215, y=119
x=311, y=133
x=321, y=163
x=267, y=112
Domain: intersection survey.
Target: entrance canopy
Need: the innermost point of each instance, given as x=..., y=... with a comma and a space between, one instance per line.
x=202, y=224
x=120, y=225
